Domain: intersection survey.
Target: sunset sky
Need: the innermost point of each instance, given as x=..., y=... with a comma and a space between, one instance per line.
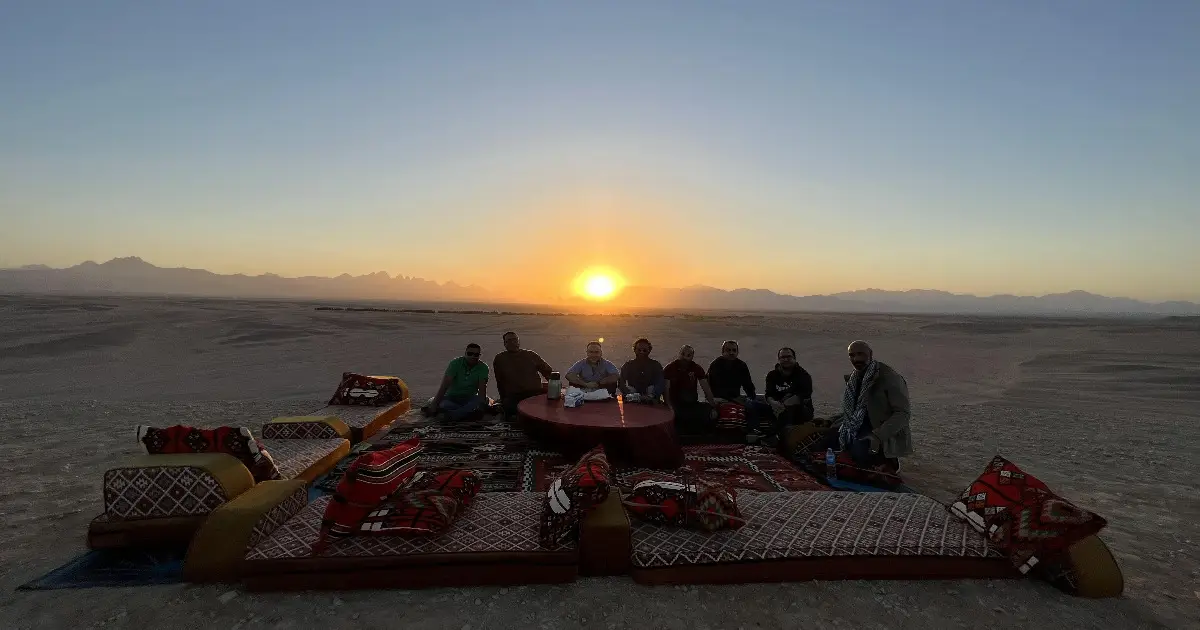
x=805, y=147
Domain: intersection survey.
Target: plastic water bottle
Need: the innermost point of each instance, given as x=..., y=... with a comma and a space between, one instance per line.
x=554, y=387
x=830, y=465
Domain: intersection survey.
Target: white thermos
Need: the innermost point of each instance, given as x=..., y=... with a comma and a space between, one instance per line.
x=554, y=387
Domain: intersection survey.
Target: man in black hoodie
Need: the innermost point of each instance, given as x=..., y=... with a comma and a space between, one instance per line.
x=789, y=391
x=729, y=376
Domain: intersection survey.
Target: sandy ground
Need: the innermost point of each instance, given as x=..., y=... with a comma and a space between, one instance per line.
x=1104, y=411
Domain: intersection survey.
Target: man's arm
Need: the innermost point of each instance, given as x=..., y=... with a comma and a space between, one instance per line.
x=441, y=392
x=612, y=377
x=708, y=395
x=801, y=390
x=483, y=387
x=574, y=377
x=543, y=368
x=499, y=381
x=896, y=390
x=623, y=378
x=747, y=381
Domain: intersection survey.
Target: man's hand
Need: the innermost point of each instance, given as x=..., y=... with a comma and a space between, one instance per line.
x=872, y=443
x=776, y=406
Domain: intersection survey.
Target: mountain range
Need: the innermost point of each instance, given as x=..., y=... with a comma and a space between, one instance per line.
x=133, y=275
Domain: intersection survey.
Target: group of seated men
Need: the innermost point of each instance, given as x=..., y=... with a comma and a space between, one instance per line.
x=873, y=423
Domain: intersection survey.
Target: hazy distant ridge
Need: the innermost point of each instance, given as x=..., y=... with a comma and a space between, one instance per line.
x=134, y=275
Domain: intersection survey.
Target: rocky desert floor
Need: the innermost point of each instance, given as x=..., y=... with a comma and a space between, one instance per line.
x=1107, y=412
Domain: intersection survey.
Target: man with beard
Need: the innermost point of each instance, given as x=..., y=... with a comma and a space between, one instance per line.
x=682, y=376
x=642, y=375
x=729, y=377
x=789, y=391
x=463, y=391
x=519, y=373
x=874, y=420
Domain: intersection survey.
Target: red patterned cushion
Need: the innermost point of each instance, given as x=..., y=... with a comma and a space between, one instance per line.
x=997, y=490
x=235, y=441
x=731, y=416
x=572, y=494
x=716, y=508
x=697, y=505
x=368, y=482
x=1040, y=527
x=460, y=485
x=428, y=505
x=662, y=502
x=421, y=513
x=883, y=475
x=374, y=391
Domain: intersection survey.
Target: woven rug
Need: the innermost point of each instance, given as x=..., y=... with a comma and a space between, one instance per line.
x=114, y=567
x=490, y=446
x=735, y=465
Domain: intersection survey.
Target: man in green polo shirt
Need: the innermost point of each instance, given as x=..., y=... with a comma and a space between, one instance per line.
x=464, y=387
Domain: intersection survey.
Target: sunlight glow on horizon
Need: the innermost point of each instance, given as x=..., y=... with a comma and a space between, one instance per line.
x=598, y=284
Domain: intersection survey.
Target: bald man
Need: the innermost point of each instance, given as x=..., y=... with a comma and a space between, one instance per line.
x=875, y=414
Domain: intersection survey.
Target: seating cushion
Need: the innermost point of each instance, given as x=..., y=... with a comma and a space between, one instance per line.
x=1042, y=527
x=369, y=481
x=158, y=486
x=306, y=459
x=813, y=534
x=235, y=441
x=427, y=505
x=217, y=551
x=495, y=523
x=365, y=421
x=373, y=391
x=572, y=494
x=698, y=504
x=305, y=428
x=994, y=492
x=731, y=416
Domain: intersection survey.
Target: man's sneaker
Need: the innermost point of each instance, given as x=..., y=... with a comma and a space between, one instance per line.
x=754, y=437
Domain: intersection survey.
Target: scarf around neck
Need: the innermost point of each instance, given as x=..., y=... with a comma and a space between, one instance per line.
x=854, y=402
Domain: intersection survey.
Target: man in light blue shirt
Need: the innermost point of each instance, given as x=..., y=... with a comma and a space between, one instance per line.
x=594, y=372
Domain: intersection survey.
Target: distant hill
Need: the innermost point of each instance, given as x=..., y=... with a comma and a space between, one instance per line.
x=919, y=301
x=133, y=275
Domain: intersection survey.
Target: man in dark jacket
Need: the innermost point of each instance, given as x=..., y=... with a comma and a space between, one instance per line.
x=642, y=375
x=874, y=422
x=789, y=391
x=729, y=376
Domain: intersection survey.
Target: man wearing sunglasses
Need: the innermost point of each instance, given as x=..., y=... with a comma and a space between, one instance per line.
x=464, y=387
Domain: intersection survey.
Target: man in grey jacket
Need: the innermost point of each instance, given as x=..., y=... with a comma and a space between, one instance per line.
x=874, y=420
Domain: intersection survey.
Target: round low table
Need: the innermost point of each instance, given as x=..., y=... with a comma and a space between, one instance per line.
x=635, y=433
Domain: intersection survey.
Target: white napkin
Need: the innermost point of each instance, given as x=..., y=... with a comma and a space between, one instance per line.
x=599, y=394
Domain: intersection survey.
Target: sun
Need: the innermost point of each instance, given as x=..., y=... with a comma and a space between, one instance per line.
x=599, y=287
x=598, y=284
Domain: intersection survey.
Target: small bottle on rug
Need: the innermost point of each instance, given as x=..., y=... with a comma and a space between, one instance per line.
x=830, y=465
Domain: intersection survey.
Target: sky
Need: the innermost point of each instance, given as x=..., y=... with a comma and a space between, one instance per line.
x=805, y=147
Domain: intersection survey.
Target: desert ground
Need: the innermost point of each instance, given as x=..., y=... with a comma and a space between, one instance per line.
x=1105, y=411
